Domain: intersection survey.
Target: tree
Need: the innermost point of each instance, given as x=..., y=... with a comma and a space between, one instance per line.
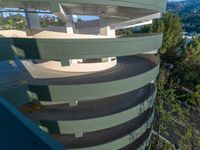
x=170, y=114
x=127, y=31
x=163, y=111
x=157, y=27
x=171, y=28
x=189, y=12
x=50, y=21
x=191, y=138
x=14, y=21
x=193, y=99
x=18, y=21
x=172, y=39
x=190, y=64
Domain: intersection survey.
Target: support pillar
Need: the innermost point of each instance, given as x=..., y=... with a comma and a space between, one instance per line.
x=70, y=27
x=33, y=21
x=68, y=19
x=105, y=29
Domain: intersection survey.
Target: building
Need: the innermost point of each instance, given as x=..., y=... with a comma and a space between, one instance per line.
x=82, y=84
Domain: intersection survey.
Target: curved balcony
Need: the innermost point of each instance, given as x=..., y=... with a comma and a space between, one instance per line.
x=79, y=126
x=99, y=85
x=90, y=109
x=154, y=5
x=112, y=138
x=50, y=85
x=65, y=49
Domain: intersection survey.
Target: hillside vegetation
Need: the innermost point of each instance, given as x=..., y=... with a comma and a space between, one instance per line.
x=189, y=12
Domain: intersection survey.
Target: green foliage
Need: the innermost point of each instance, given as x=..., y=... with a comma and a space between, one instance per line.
x=189, y=65
x=14, y=21
x=194, y=98
x=191, y=139
x=169, y=111
x=185, y=72
x=157, y=27
x=162, y=145
x=171, y=27
x=189, y=12
x=124, y=32
x=164, y=95
x=172, y=37
x=50, y=21
x=18, y=21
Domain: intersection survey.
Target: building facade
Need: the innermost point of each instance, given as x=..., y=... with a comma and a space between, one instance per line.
x=89, y=88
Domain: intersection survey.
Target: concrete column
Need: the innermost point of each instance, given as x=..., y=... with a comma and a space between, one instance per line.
x=33, y=21
x=1, y=22
x=105, y=28
x=70, y=27
x=68, y=19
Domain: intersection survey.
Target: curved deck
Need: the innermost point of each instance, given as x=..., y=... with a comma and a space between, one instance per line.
x=89, y=109
x=112, y=138
x=53, y=5
x=65, y=49
x=121, y=79
x=76, y=126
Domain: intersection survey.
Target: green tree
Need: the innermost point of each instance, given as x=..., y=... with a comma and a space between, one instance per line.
x=169, y=112
x=127, y=31
x=172, y=39
x=193, y=98
x=163, y=111
x=171, y=28
x=191, y=138
x=190, y=64
x=189, y=12
x=14, y=21
x=50, y=21
x=157, y=27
